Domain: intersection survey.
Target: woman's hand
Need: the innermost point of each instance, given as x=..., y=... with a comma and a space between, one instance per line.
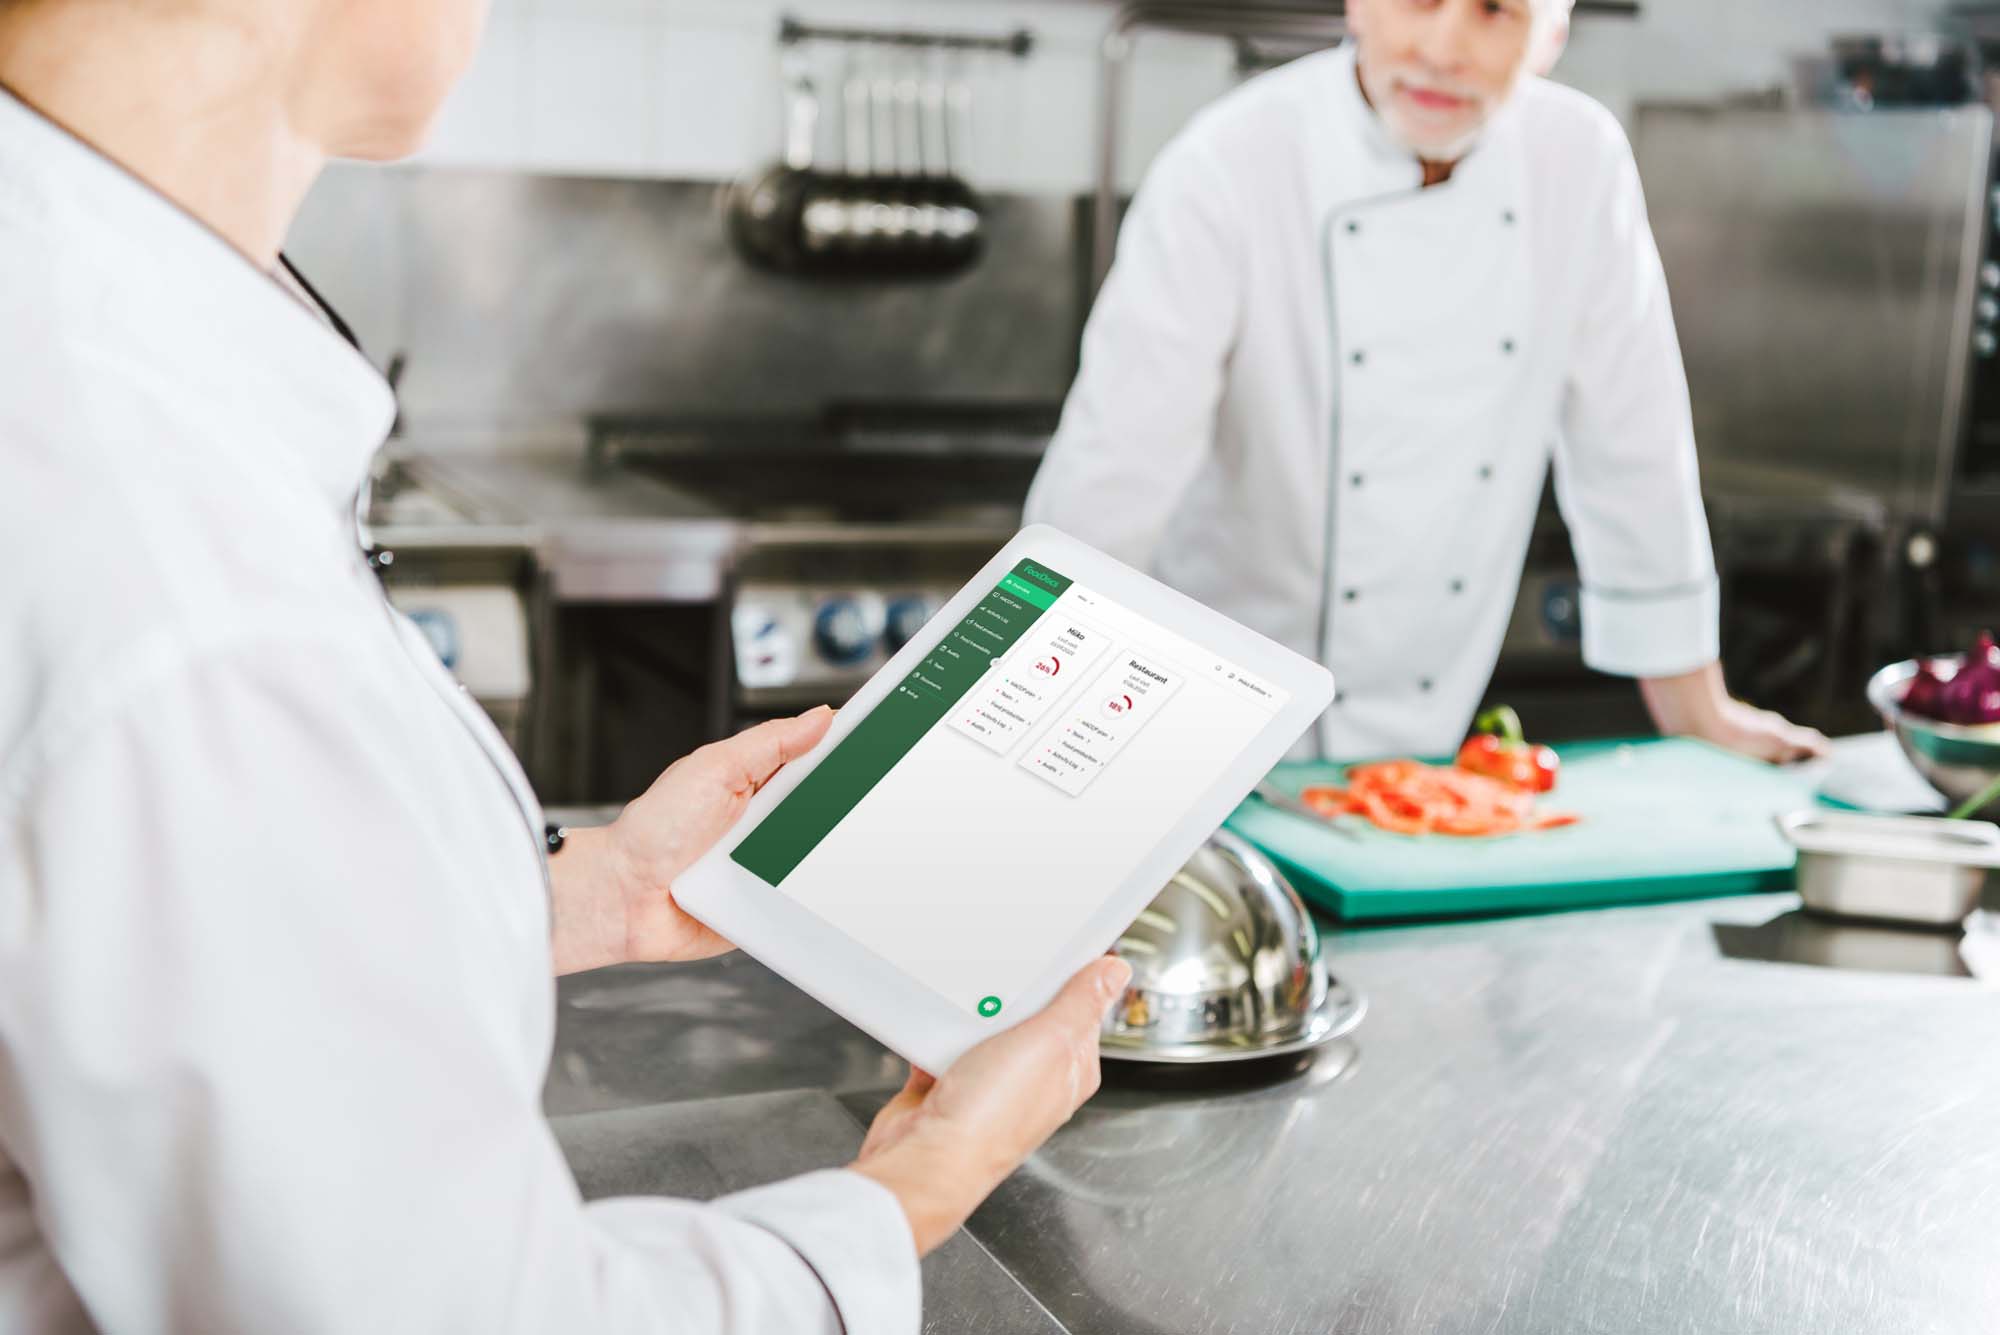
x=944, y=1143
x=614, y=900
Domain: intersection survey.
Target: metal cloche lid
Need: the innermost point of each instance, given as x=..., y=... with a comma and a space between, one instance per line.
x=1226, y=966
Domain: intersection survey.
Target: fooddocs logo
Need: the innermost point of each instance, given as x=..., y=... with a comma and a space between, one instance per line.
x=1046, y=578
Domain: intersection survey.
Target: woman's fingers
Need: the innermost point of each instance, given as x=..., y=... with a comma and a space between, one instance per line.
x=742, y=764
x=1080, y=1006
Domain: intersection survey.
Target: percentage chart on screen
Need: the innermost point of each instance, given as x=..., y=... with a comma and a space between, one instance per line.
x=1103, y=720
x=1028, y=682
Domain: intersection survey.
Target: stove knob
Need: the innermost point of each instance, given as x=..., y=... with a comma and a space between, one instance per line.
x=907, y=618
x=441, y=629
x=1561, y=613
x=842, y=634
x=767, y=655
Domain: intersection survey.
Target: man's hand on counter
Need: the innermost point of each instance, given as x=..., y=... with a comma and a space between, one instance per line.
x=613, y=886
x=945, y=1142
x=1696, y=704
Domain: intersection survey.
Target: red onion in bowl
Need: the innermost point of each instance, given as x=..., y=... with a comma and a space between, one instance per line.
x=1924, y=695
x=1972, y=696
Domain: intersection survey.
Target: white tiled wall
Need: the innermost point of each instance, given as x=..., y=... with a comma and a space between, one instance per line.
x=689, y=88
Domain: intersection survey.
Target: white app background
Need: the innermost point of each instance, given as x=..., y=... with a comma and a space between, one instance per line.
x=1009, y=823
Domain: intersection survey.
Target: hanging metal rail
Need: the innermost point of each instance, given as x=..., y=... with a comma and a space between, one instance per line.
x=1017, y=43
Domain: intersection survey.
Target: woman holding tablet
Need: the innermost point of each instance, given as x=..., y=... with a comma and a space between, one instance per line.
x=276, y=926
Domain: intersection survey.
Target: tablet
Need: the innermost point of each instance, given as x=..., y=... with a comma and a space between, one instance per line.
x=1004, y=797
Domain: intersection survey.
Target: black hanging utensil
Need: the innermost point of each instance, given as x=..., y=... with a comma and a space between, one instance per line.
x=766, y=212
x=906, y=211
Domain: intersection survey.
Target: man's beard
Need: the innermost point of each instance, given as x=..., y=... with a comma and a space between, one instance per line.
x=1429, y=148
x=1450, y=150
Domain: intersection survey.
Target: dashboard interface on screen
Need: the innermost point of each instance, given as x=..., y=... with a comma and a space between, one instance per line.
x=986, y=807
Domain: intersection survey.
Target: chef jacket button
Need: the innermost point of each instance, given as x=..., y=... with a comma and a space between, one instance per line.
x=1508, y=217
x=1340, y=697
x=1350, y=595
x=1458, y=586
x=1358, y=357
x=1486, y=472
x=1425, y=685
x=1353, y=229
x=1354, y=481
x=1507, y=346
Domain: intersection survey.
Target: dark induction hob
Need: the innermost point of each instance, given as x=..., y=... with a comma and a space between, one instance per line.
x=846, y=486
x=854, y=465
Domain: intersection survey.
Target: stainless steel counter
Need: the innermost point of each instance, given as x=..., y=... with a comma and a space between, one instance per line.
x=609, y=533
x=601, y=534
x=1685, y=1118
x=713, y=1146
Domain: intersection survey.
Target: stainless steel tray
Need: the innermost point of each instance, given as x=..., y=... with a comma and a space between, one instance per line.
x=1336, y=1017
x=1909, y=869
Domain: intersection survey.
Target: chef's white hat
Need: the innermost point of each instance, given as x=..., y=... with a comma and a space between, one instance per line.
x=1552, y=11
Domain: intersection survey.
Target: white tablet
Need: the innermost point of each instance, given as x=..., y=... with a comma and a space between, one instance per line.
x=1004, y=797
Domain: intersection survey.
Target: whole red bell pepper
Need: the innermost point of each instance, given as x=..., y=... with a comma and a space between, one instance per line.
x=1498, y=750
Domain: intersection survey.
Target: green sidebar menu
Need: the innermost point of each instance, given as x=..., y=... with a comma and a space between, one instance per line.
x=850, y=772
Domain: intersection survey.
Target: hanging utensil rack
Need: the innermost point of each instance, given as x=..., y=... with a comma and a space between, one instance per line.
x=899, y=205
x=1019, y=43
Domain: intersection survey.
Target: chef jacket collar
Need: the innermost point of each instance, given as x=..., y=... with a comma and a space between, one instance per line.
x=1359, y=161
x=152, y=285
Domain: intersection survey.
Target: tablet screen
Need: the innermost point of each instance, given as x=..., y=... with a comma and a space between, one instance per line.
x=974, y=820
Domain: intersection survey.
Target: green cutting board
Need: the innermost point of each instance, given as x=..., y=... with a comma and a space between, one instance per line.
x=1661, y=820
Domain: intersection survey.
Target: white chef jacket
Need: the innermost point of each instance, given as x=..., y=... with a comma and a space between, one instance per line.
x=275, y=992
x=1323, y=399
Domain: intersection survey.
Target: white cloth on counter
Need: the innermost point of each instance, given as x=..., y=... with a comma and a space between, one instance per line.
x=1323, y=399
x=275, y=992
x=1871, y=773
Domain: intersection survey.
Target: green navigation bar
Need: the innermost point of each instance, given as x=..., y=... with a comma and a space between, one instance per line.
x=920, y=701
x=1030, y=593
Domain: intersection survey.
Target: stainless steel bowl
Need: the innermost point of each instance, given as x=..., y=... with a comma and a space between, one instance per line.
x=1958, y=761
x=1225, y=966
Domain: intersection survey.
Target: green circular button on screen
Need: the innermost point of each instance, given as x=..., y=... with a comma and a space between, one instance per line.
x=989, y=1007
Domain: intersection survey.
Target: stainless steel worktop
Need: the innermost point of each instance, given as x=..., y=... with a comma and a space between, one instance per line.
x=1686, y=1118
x=607, y=532
x=602, y=534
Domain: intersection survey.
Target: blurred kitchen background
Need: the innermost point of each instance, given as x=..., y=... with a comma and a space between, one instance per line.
x=661, y=471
